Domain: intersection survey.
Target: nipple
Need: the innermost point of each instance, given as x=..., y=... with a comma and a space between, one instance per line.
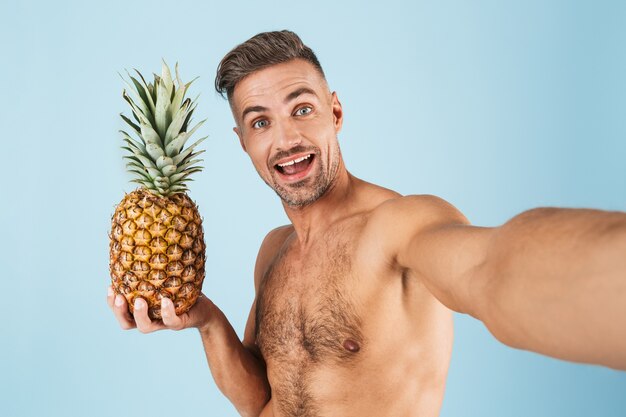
x=351, y=346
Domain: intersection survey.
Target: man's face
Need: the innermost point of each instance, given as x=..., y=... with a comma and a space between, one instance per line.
x=287, y=122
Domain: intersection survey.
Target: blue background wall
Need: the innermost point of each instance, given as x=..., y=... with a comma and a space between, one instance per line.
x=497, y=107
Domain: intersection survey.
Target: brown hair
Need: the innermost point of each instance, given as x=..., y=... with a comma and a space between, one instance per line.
x=259, y=52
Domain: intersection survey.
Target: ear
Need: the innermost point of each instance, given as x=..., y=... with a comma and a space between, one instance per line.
x=236, y=130
x=337, y=112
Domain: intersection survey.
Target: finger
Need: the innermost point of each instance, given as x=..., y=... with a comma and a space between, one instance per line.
x=110, y=296
x=140, y=312
x=120, y=309
x=168, y=312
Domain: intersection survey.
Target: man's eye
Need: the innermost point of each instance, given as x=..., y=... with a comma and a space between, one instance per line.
x=303, y=110
x=259, y=124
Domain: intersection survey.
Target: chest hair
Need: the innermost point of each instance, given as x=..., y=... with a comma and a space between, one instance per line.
x=305, y=316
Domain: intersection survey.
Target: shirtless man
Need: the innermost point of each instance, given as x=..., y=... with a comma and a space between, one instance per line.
x=354, y=299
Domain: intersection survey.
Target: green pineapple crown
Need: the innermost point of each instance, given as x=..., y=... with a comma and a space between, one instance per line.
x=161, y=116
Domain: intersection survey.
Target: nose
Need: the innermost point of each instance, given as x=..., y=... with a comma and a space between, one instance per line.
x=287, y=135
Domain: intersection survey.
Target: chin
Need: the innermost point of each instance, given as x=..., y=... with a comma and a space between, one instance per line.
x=304, y=196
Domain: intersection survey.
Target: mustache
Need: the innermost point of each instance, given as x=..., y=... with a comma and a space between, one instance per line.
x=293, y=151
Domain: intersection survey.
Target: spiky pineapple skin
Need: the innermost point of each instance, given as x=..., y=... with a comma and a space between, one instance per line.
x=157, y=250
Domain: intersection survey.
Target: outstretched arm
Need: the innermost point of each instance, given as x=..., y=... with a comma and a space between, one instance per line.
x=549, y=280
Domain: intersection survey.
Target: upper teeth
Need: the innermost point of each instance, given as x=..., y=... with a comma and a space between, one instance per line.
x=294, y=161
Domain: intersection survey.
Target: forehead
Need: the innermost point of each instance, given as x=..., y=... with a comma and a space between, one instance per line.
x=276, y=81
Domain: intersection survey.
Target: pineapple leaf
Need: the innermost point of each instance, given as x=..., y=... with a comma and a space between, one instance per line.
x=162, y=104
x=154, y=173
x=141, y=146
x=134, y=147
x=183, y=128
x=191, y=156
x=136, y=93
x=141, y=174
x=177, y=98
x=174, y=148
x=190, y=167
x=200, y=123
x=183, y=181
x=146, y=184
x=141, y=90
x=135, y=127
x=150, y=135
x=177, y=102
x=189, y=118
x=193, y=170
x=178, y=79
x=138, y=168
x=163, y=161
x=181, y=156
x=177, y=122
x=174, y=178
x=161, y=182
x=182, y=168
x=149, y=185
x=146, y=162
x=148, y=91
x=185, y=177
x=176, y=144
x=152, y=90
x=126, y=135
x=154, y=150
x=131, y=151
x=194, y=104
x=134, y=160
x=180, y=93
x=168, y=170
x=166, y=76
x=189, y=83
x=138, y=112
x=178, y=188
x=147, y=173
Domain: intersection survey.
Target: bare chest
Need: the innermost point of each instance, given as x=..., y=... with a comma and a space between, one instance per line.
x=306, y=312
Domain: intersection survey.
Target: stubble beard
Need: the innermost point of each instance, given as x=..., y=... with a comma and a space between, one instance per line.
x=309, y=190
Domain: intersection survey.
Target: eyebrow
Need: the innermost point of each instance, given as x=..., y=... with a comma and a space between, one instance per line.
x=295, y=94
x=250, y=109
x=291, y=96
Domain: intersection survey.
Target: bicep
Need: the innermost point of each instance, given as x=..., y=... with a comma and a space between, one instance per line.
x=249, y=334
x=432, y=239
x=450, y=260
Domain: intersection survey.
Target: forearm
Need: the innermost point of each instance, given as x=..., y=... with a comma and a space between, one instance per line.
x=556, y=284
x=238, y=373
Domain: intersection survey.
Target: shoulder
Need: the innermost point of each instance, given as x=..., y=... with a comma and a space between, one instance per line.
x=270, y=246
x=416, y=210
x=396, y=221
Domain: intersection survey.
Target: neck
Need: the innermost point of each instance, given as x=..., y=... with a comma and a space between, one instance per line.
x=334, y=204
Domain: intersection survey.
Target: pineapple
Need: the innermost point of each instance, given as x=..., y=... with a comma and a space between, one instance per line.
x=156, y=241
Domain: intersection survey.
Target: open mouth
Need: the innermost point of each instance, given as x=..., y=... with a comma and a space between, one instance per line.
x=295, y=167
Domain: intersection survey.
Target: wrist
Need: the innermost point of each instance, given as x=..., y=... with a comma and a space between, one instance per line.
x=208, y=316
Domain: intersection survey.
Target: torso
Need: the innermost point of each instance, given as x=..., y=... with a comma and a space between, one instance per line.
x=346, y=333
